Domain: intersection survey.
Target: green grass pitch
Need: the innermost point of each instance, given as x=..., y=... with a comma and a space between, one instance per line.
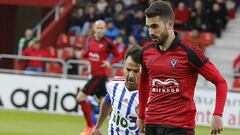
x=31, y=123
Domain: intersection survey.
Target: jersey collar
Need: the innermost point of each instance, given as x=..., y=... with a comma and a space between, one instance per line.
x=174, y=43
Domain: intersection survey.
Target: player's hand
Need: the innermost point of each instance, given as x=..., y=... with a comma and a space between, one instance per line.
x=97, y=131
x=140, y=125
x=217, y=125
x=106, y=64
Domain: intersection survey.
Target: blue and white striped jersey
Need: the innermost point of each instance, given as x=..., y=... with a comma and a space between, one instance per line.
x=123, y=120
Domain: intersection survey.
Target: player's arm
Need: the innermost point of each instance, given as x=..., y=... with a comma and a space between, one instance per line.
x=113, y=49
x=143, y=97
x=210, y=72
x=105, y=109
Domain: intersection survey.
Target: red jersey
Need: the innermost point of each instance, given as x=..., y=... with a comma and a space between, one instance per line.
x=98, y=51
x=35, y=53
x=167, y=84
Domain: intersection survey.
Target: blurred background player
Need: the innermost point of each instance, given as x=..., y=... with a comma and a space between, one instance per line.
x=98, y=50
x=122, y=98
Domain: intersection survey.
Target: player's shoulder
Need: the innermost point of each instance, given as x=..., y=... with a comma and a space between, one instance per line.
x=117, y=78
x=194, y=53
x=110, y=43
x=146, y=45
x=114, y=81
x=188, y=46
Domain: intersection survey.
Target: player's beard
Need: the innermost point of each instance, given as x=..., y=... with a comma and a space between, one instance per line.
x=131, y=84
x=162, y=38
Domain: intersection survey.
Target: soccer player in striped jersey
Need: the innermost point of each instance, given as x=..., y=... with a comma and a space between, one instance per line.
x=122, y=98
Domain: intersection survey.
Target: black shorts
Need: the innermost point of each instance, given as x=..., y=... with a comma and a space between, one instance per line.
x=96, y=86
x=167, y=130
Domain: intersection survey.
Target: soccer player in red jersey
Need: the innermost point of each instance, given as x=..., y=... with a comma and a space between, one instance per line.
x=170, y=68
x=99, y=48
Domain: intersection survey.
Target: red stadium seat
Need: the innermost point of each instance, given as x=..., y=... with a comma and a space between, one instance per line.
x=63, y=40
x=207, y=37
x=54, y=68
x=236, y=84
x=19, y=64
x=79, y=42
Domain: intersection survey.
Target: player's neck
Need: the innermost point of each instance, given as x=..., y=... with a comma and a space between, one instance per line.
x=168, y=42
x=98, y=38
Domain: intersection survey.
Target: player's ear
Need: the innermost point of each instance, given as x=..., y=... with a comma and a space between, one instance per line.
x=170, y=25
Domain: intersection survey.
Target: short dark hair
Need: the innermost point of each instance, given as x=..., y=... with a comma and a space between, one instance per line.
x=135, y=52
x=161, y=9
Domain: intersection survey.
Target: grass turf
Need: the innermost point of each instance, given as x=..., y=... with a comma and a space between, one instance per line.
x=32, y=123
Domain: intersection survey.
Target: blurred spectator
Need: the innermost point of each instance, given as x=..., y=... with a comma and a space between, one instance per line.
x=25, y=41
x=135, y=6
x=35, y=51
x=231, y=9
x=197, y=16
x=132, y=40
x=207, y=5
x=223, y=11
x=138, y=24
x=181, y=16
x=101, y=6
x=121, y=21
x=112, y=31
x=127, y=2
x=78, y=23
x=110, y=10
x=91, y=14
x=119, y=7
x=215, y=20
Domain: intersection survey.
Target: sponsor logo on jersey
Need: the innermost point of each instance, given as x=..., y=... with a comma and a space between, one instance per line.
x=167, y=86
x=129, y=122
x=94, y=56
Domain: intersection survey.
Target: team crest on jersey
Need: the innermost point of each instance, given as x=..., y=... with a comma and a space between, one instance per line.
x=174, y=63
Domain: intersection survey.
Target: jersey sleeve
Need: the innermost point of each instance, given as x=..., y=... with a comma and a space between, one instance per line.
x=196, y=57
x=206, y=68
x=109, y=87
x=210, y=72
x=144, y=89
